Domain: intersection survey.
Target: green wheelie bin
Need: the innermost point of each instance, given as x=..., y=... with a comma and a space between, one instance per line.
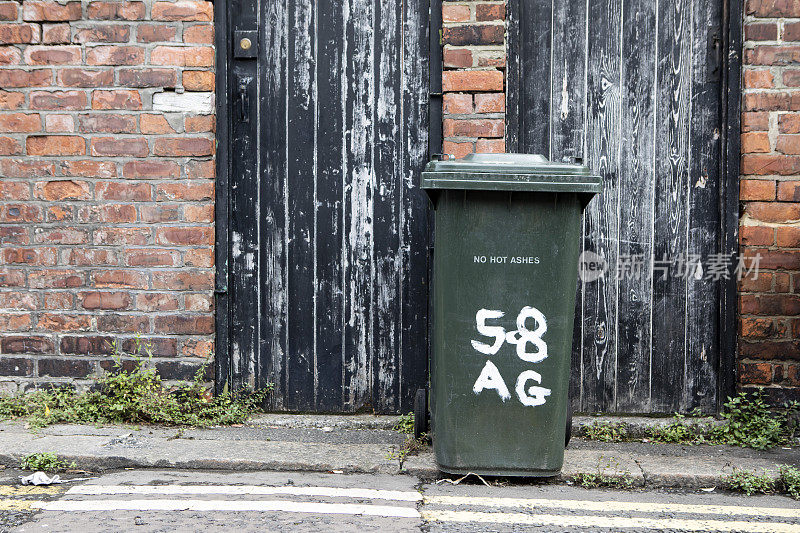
x=505, y=269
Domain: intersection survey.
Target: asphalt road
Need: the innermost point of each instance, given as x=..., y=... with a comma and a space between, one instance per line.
x=218, y=501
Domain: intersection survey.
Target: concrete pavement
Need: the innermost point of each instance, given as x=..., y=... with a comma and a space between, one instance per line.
x=357, y=444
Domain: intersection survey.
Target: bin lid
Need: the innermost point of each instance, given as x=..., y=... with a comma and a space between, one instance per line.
x=510, y=172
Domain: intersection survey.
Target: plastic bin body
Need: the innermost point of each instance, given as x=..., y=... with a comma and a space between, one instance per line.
x=505, y=275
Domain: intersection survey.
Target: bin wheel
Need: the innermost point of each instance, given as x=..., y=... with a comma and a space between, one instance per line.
x=568, y=433
x=420, y=413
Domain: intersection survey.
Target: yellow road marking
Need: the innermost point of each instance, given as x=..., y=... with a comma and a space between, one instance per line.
x=609, y=522
x=11, y=490
x=615, y=506
x=15, y=505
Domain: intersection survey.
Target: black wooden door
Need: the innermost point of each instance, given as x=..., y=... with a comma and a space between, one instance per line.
x=328, y=228
x=636, y=89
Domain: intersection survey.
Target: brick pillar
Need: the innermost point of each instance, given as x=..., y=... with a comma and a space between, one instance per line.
x=770, y=196
x=473, y=79
x=106, y=185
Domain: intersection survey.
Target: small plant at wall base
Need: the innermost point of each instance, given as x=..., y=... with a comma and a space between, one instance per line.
x=45, y=462
x=135, y=395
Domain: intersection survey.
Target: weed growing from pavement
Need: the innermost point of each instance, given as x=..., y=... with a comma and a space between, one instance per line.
x=410, y=446
x=45, y=462
x=747, y=421
x=134, y=395
x=608, y=475
x=750, y=483
x=790, y=481
x=405, y=424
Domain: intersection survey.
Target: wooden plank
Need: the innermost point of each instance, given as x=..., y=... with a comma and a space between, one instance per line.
x=301, y=191
x=601, y=232
x=272, y=217
x=357, y=242
x=330, y=187
x=386, y=208
x=414, y=218
x=567, y=115
x=244, y=260
x=536, y=28
x=672, y=184
x=704, y=223
x=636, y=185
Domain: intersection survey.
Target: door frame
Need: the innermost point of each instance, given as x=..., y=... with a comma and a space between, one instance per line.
x=730, y=119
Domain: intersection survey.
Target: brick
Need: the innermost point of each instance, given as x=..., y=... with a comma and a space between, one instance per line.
x=107, y=123
x=8, y=10
x=458, y=149
x=64, y=322
x=184, y=10
x=789, y=191
x=148, y=77
x=185, y=236
x=771, y=101
x=788, y=237
x=765, y=31
x=200, y=124
x=467, y=35
x=200, y=169
x=193, y=192
x=13, y=235
x=59, y=123
x=492, y=59
x=11, y=278
x=457, y=57
x=56, y=145
x=756, y=235
x=199, y=303
x=115, y=55
x=53, y=55
x=122, y=236
x=10, y=55
x=116, y=99
x=183, y=325
x=755, y=373
x=756, y=189
x=490, y=103
x=20, y=122
x=103, y=33
x=90, y=257
x=791, y=31
x=160, y=213
x=183, y=147
x=199, y=257
x=180, y=370
x=119, y=279
x=154, y=125
x=160, y=301
x=457, y=104
x=183, y=280
x=758, y=79
x=108, y=213
x=19, y=33
x=18, y=344
x=65, y=368
x=151, y=169
x=774, y=212
x=183, y=56
x=778, y=259
x=474, y=128
x=764, y=164
x=456, y=13
x=58, y=100
x=60, y=236
x=773, y=8
x=56, y=33
x=198, y=348
x=29, y=256
x=756, y=121
x=81, y=77
x=56, y=279
x=788, y=144
x=125, y=192
x=152, y=257
x=10, y=146
x=474, y=80
x=87, y=345
x=15, y=321
x=60, y=190
x=116, y=10
x=152, y=33
x=199, y=34
x=50, y=10
x=89, y=168
x=123, y=323
x=488, y=12
x=118, y=147
x=60, y=213
x=14, y=190
x=20, y=213
x=198, y=80
x=25, y=168
x=490, y=146
x=11, y=100
x=16, y=366
x=791, y=78
x=25, y=78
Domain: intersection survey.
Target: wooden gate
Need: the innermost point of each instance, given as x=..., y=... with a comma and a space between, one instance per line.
x=639, y=89
x=326, y=246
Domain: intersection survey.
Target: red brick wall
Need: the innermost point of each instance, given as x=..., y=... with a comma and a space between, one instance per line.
x=770, y=196
x=473, y=80
x=106, y=189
